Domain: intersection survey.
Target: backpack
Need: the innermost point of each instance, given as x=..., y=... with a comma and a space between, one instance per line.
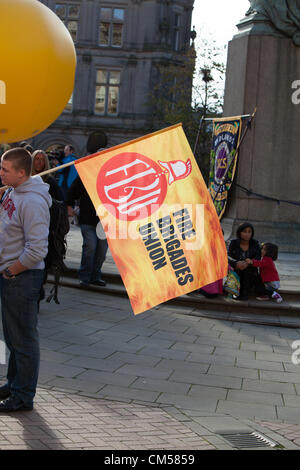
x=57, y=244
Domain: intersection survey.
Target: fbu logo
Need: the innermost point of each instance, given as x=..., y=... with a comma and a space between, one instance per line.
x=133, y=186
x=2, y=92
x=296, y=94
x=130, y=182
x=296, y=354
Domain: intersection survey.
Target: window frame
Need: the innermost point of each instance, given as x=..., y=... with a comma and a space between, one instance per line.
x=111, y=22
x=107, y=85
x=67, y=19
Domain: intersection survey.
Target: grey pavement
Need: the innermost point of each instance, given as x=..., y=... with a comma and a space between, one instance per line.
x=169, y=378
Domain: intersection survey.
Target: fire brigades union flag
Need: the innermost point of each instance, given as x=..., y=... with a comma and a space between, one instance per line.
x=160, y=222
x=223, y=160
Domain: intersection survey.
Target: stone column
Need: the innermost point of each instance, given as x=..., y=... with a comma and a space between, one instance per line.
x=262, y=66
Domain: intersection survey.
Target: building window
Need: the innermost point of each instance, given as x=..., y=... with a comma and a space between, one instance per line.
x=111, y=27
x=107, y=92
x=69, y=15
x=177, y=32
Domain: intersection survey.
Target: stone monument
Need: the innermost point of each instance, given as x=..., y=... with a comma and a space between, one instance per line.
x=263, y=72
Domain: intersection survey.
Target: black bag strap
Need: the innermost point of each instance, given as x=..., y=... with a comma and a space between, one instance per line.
x=54, y=290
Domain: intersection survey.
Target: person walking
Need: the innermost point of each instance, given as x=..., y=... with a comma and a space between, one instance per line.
x=69, y=174
x=93, y=248
x=24, y=222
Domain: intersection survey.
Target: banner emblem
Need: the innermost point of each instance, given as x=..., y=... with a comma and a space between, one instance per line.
x=132, y=186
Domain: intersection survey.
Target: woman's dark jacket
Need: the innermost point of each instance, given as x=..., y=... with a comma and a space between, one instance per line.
x=87, y=214
x=235, y=253
x=54, y=190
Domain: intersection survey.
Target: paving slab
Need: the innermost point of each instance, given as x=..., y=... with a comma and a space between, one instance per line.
x=162, y=352
x=211, y=359
x=247, y=410
x=259, y=365
x=246, y=396
x=207, y=379
x=242, y=372
x=269, y=387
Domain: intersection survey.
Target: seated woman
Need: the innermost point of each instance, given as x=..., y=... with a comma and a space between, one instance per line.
x=40, y=163
x=238, y=252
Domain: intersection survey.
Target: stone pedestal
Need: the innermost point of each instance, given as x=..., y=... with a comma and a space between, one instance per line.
x=262, y=66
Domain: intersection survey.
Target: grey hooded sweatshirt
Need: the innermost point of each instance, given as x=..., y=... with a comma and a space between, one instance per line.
x=24, y=224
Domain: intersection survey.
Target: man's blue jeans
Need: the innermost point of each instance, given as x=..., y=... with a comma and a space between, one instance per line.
x=19, y=300
x=93, y=254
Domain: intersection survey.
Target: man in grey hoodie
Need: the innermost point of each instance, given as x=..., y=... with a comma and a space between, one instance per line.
x=24, y=227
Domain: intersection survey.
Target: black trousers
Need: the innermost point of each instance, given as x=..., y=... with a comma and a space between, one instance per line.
x=250, y=279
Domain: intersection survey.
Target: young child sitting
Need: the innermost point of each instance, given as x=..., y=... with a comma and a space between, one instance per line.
x=268, y=272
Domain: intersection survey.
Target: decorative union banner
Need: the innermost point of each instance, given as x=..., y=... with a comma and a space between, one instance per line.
x=162, y=229
x=223, y=159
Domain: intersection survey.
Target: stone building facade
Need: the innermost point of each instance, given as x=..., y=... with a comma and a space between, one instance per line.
x=119, y=45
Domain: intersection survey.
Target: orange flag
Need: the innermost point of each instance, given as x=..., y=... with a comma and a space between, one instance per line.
x=160, y=222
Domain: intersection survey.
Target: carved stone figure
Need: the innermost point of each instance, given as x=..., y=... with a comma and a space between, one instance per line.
x=283, y=14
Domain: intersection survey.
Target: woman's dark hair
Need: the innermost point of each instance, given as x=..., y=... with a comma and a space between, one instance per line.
x=242, y=227
x=271, y=250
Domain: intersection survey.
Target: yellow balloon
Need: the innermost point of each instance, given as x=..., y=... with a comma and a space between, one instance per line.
x=37, y=68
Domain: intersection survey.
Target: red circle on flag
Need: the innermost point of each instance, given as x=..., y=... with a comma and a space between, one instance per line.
x=131, y=186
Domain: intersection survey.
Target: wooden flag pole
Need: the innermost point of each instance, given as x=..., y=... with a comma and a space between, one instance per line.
x=56, y=168
x=138, y=139
x=46, y=172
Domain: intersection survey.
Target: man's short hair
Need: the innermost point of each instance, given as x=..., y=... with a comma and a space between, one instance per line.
x=20, y=159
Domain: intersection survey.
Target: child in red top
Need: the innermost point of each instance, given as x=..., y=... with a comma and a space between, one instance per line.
x=268, y=271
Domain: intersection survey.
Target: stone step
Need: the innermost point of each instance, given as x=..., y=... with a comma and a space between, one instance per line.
x=114, y=278
x=285, y=314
